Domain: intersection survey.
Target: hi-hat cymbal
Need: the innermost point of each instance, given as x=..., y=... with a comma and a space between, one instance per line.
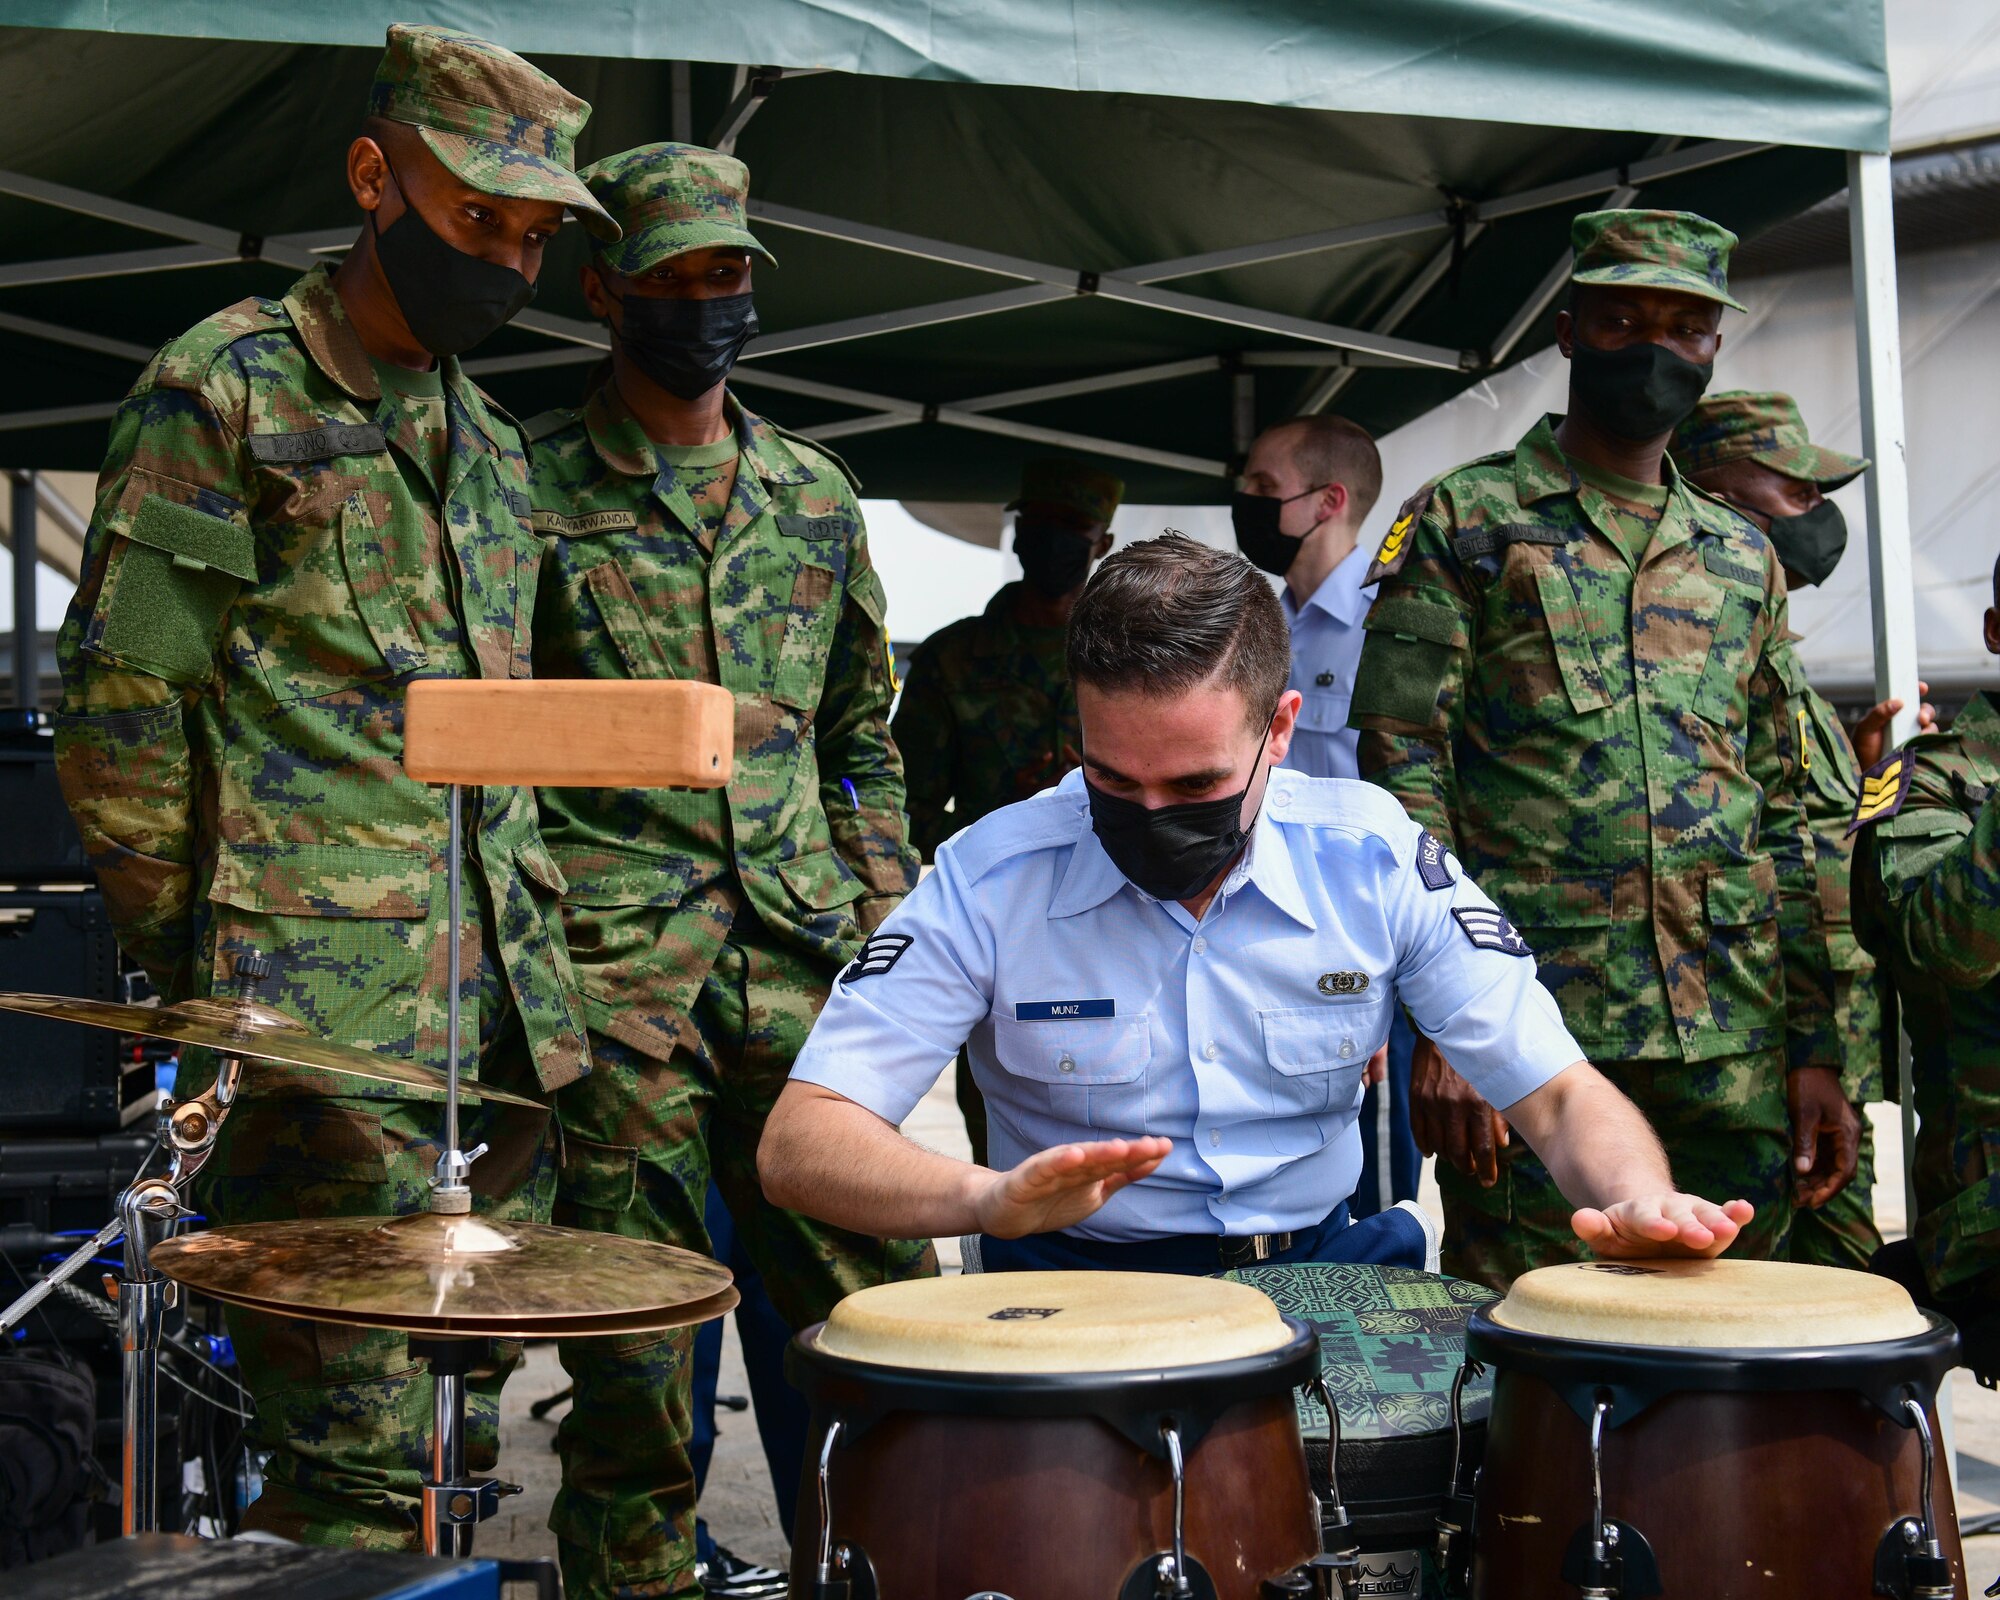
x=451, y=1275
x=251, y=1031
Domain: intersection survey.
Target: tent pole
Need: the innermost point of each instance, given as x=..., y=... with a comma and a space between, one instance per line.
x=1871, y=235
x=680, y=96
x=27, y=642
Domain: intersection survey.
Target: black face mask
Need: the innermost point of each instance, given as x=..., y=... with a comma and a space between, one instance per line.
x=1055, y=557
x=1639, y=392
x=449, y=299
x=1170, y=852
x=1811, y=544
x=686, y=346
x=1255, y=518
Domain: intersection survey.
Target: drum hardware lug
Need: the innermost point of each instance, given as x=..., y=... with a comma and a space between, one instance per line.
x=1144, y=1580
x=1171, y=1572
x=1336, y=1570
x=1607, y=1559
x=842, y=1571
x=1454, y=1519
x=1910, y=1563
x=1294, y=1585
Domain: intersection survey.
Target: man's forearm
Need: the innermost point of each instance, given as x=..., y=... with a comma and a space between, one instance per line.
x=1596, y=1144
x=839, y=1162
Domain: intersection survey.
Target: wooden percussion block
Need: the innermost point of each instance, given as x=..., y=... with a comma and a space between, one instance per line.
x=570, y=732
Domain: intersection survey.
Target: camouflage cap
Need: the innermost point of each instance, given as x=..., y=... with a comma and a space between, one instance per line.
x=1091, y=494
x=1674, y=250
x=670, y=199
x=1765, y=428
x=496, y=123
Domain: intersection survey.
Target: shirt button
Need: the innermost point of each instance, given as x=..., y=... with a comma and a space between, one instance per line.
x=1214, y=1137
x=1282, y=798
x=1211, y=1050
x=1068, y=1064
x=1200, y=944
x=1346, y=1048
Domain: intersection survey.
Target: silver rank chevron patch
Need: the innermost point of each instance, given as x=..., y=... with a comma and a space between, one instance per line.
x=878, y=953
x=1489, y=930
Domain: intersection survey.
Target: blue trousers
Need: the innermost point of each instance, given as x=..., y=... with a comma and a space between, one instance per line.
x=782, y=1413
x=1391, y=1165
x=1391, y=1239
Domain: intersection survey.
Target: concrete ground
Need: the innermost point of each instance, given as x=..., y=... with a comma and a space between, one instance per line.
x=741, y=1512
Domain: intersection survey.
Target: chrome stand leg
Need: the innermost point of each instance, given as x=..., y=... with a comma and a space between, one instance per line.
x=144, y=1297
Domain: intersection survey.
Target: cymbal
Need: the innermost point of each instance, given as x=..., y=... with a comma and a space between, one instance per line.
x=252, y=1031
x=451, y=1275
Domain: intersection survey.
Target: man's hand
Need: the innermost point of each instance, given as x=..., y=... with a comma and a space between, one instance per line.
x=1826, y=1135
x=1874, y=724
x=1670, y=1224
x=1057, y=1188
x=1450, y=1120
x=1377, y=1070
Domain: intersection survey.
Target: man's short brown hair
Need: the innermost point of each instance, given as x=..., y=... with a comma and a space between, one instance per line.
x=1169, y=614
x=1330, y=449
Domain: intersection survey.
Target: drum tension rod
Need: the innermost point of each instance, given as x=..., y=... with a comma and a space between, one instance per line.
x=1454, y=1518
x=1336, y=1570
x=1910, y=1563
x=833, y=1572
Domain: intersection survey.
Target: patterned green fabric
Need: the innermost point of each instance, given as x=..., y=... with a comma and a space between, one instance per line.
x=670, y=199
x=1655, y=249
x=498, y=124
x=987, y=717
x=641, y=1139
x=786, y=614
x=1071, y=486
x=1927, y=903
x=1610, y=754
x=1766, y=428
x=1391, y=1340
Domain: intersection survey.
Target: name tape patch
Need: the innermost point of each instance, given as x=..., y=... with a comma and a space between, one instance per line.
x=878, y=953
x=803, y=527
x=1489, y=930
x=1430, y=862
x=583, y=523
x=317, y=444
x=1062, y=1010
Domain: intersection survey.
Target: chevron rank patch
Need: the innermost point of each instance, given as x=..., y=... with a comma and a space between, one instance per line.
x=878, y=953
x=1430, y=862
x=1883, y=789
x=1402, y=534
x=1489, y=930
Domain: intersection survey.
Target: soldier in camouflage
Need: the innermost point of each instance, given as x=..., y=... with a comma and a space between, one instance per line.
x=1753, y=451
x=686, y=537
x=1576, y=677
x=1927, y=903
x=987, y=716
x=306, y=504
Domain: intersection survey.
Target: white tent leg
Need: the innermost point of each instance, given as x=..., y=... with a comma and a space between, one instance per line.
x=1871, y=230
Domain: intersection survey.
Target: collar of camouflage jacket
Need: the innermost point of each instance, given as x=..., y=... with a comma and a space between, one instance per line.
x=623, y=446
x=1541, y=470
x=1977, y=729
x=321, y=320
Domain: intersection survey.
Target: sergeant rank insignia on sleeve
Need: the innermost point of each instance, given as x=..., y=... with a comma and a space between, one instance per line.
x=1883, y=789
x=1489, y=930
x=1402, y=534
x=878, y=953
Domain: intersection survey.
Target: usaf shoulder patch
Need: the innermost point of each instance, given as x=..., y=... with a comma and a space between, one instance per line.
x=878, y=953
x=1884, y=787
x=1489, y=930
x=1402, y=534
x=1430, y=862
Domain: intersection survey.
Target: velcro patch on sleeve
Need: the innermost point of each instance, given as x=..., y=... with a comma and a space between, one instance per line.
x=1489, y=930
x=317, y=444
x=1884, y=787
x=879, y=953
x=1431, y=866
x=584, y=523
x=1402, y=534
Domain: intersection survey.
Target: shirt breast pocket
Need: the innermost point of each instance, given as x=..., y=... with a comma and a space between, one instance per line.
x=1093, y=1070
x=1325, y=710
x=1317, y=1053
x=1537, y=664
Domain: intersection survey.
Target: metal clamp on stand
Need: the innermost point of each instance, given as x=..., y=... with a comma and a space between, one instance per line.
x=1910, y=1563
x=452, y=1502
x=1454, y=1519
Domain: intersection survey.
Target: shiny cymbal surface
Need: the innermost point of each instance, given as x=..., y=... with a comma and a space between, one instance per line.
x=251, y=1031
x=450, y=1274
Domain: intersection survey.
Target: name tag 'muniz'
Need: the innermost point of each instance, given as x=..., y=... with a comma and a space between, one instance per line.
x=1062, y=1010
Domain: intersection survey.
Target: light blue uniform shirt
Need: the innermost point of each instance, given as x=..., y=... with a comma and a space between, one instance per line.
x=1092, y=1011
x=1326, y=649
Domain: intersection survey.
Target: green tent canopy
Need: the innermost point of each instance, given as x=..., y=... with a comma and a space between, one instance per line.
x=1131, y=229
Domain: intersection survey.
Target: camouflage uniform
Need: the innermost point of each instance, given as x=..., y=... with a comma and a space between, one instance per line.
x=1927, y=903
x=1606, y=744
x=987, y=716
x=278, y=547
x=1767, y=429
x=706, y=926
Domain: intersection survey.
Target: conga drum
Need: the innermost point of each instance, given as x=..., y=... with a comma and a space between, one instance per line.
x=1035, y=1435
x=1707, y=1430
x=1391, y=1352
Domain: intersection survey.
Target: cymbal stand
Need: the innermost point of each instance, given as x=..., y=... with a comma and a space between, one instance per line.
x=146, y=1210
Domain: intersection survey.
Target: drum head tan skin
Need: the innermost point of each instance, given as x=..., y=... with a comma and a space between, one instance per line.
x=1714, y=1305
x=1054, y=1322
